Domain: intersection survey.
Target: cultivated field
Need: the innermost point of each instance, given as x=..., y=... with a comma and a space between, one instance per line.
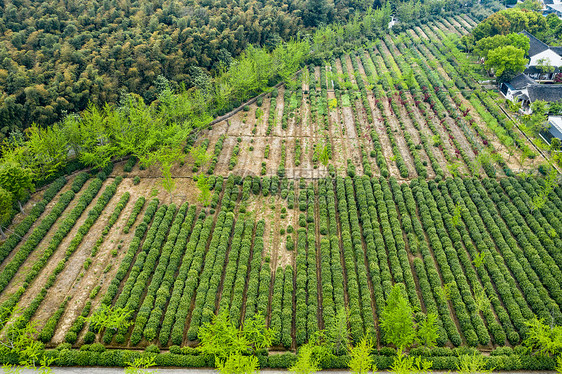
x=417, y=189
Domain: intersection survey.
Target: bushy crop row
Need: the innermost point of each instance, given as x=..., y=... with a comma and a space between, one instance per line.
x=271, y=118
x=234, y=155
x=48, y=330
x=163, y=255
x=134, y=288
x=480, y=302
x=355, y=274
x=134, y=245
x=506, y=246
x=139, y=204
x=185, y=282
x=32, y=216
x=216, y=152
x=256, y=294
x=72, y=335
x=112, y=219
x=62, y=231
x=276, y=320
x=532, y=257
x=35, y=237
x=241, y=276
x=211, y=274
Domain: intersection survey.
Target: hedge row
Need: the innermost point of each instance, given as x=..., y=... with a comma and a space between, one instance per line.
x=161, y=253
x=139, y=204
x=121, y=358
x=162, y=295
x=32, y=216
x=209, y=282
x=146, y=261
x=94, y=213
x=34, y=239
x=258, y=282
x=134, y=245
x=178, y=306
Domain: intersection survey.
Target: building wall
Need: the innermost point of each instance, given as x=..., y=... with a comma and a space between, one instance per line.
x=555, y=59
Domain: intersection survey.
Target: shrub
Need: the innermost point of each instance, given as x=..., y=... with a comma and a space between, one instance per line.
x=90, y=337
x=153, y=348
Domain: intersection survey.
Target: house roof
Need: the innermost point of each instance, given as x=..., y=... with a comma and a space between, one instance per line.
x=556, y=7
x=520, y=82
x=546, y=92
x=546, y=2
x=535, y=45
x=555, y=126
x=536, y=70
x=557, y=50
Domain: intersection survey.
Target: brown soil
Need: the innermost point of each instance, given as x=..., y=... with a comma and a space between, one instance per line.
x=95, y=275
x=420, y=32
x=19, y=217
x=40, y=280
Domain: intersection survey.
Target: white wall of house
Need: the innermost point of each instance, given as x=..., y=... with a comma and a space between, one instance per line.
x=550, y=55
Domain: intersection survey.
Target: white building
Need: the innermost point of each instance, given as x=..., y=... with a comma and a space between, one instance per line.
x=540, y=55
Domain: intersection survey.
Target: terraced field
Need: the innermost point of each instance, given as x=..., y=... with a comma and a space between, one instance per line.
x=417, y=188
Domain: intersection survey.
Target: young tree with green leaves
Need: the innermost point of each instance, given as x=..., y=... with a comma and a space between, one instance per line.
x=110, y=318
x=397, y=319
x=306, y=363
x=230, y=346
x=361, y=361
x=140, y=365
x=542, y=338
x=204, y=189
x=18, y=339
x=550, y=183
x=473, y=364
x=5, y=209
x=16, y=180
x=337, y=333
x=398, y=325
x=506, y=61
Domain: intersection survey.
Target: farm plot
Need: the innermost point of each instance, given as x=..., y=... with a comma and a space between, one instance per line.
x=405, y=106
x=384, y=165
x=299, y=252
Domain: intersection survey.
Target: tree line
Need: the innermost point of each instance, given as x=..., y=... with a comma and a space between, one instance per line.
x=155, y=132
x=56, y=60
x=498, y=41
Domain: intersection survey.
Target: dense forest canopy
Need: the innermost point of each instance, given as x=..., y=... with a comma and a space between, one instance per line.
x=57, y=56
x=497, y=39
x=514, y=20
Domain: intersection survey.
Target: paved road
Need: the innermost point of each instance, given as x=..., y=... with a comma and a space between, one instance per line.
x=84, y=370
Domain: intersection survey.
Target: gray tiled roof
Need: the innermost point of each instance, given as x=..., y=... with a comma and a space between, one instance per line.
x=546, y=92
x=521, y=81
x=535, y=45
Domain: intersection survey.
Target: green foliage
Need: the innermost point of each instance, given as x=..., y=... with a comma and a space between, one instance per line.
x=542, y=338
x=507, y=62
x=204, y=189
x=140, y=365
x=306, y=362
x=223, y=340
x=16, y=180
x=427, y=331
x=403, y=364
x=396, y=321
x=238, y=364
x=110, y=318
x=5, y=208
x=485, y=45
x=473, y=364
x=361, y=360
